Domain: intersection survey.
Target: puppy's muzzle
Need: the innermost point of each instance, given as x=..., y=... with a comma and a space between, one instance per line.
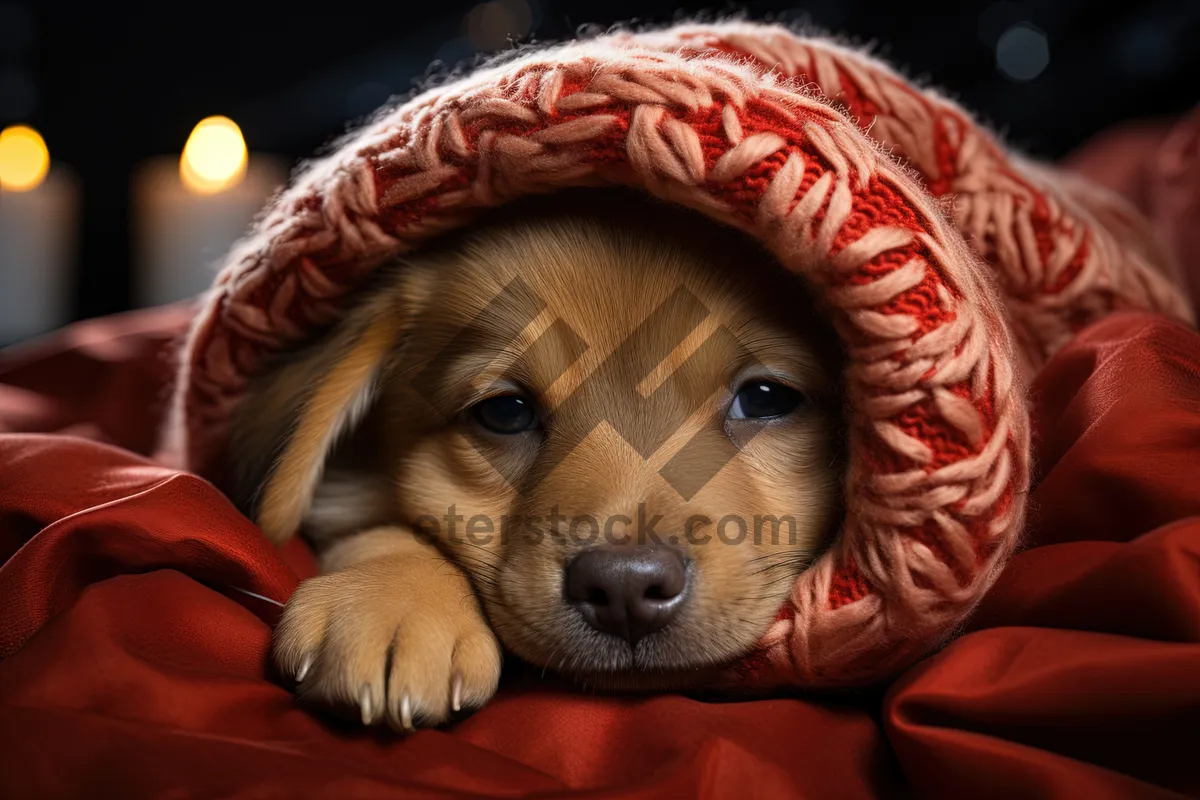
x=630, y=591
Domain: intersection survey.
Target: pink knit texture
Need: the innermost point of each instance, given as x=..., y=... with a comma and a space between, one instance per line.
x=766, y=131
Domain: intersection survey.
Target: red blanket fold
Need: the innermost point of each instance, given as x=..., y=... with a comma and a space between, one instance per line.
x=137, y=607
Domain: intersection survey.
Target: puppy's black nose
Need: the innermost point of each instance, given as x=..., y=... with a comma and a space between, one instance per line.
x=628, y=591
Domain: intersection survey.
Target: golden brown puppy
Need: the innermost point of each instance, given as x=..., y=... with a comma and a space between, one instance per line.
x=595, y=429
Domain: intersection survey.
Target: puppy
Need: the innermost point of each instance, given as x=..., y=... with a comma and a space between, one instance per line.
x=592, y=428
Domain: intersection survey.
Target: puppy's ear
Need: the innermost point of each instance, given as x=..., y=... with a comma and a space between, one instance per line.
x=294, y=415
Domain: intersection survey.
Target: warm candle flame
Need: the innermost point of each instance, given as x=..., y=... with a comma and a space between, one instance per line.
x=214, y=158
x=24, y=159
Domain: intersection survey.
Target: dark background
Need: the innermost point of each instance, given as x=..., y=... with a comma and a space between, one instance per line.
x=108, y=84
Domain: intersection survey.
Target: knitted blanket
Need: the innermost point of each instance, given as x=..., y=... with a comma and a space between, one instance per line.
x=952, y=269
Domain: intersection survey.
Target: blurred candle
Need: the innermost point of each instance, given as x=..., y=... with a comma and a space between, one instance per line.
x=189, y=210
x=38, y=217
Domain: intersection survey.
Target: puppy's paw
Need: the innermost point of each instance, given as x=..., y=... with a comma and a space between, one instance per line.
x=399, y=641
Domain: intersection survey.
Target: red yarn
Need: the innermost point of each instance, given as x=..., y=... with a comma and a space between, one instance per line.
x=718, y=118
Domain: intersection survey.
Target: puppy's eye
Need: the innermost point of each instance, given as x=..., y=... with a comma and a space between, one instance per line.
x=505, y=414
x=764, y=400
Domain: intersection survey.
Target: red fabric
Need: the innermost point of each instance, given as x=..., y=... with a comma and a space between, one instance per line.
x=133, y=666
x=1156, y=165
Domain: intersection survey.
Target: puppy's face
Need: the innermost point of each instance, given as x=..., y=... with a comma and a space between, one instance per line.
x=623, y=424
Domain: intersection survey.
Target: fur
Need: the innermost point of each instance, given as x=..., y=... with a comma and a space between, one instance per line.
x=388, y=410
x=950, y=267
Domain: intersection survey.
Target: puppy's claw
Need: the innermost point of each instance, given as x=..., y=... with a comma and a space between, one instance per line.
x=305, y=666
x=406, y=713
x=345, y=641
x=364, y=702
x=456, y=691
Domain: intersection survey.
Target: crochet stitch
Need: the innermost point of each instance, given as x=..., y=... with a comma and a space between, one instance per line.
x=951, y=268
